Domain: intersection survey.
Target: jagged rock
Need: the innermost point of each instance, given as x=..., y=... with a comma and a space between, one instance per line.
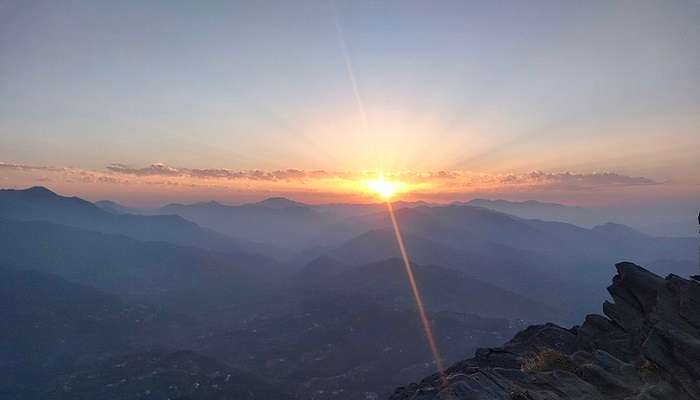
x=646, y=347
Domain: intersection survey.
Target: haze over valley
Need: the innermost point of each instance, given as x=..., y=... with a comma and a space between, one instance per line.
x=326, y=313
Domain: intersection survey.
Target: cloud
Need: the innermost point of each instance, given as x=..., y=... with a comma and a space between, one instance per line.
x=44, y=173
x=111, y=180
x=26, y=167
x=156, y=169
x=451, y=181
x=162, y=170
x=574, y=180
x=291, y=174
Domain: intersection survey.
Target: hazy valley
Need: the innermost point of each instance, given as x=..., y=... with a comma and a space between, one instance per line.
x=279, y=299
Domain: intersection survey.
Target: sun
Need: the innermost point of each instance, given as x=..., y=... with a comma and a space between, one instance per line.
x=383, y=188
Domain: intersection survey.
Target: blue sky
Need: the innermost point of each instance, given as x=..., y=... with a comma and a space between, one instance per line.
x=354, y=85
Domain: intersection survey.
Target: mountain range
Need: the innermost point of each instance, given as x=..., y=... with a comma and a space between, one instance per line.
x=559, y=264
x=41, y=204
x=533, y=209
x=186, y=310
x=289, y=300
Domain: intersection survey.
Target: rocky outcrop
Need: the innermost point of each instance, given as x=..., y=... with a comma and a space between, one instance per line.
x=646, y=347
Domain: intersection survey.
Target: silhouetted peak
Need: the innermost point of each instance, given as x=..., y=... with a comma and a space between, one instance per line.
x=110, y=206
x=39, y=191
x=38, y=201
x=117, y=208
x=172, y=205
x=106, y=203
x=279, y=202
x=505, y=203
x=211, y=203
x=617, y=229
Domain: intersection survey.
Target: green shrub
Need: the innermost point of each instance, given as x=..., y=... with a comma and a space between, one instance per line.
x=549, y=360
x=648, y=371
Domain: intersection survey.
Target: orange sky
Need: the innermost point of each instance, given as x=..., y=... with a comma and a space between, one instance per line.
x=158, y=183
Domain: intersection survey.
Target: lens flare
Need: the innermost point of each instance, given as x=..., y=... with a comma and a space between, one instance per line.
x=383, y=188
x=427, y=330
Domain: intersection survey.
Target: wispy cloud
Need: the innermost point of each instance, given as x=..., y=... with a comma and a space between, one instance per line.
x=162, y=170
x=453, y=181
x=570, y=179
x=291, y=174
x=26, y=167
x=156, y=169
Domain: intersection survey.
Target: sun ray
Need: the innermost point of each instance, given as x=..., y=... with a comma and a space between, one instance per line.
x=425, y=323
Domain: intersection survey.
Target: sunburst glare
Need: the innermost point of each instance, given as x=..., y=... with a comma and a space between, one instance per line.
x=384, y=188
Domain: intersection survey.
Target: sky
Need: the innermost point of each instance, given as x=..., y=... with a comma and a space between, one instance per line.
x=586, y=103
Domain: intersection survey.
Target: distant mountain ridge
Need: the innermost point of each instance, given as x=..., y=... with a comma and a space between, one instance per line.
x=516, y=254
x=113, y=206
x=279, y=202
x=507, y=203
x=453, y=224
x=275, y=221
x=552, y=262
x=533, y=209
x=342, y=327
x=41, y=204
x=510, y=269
